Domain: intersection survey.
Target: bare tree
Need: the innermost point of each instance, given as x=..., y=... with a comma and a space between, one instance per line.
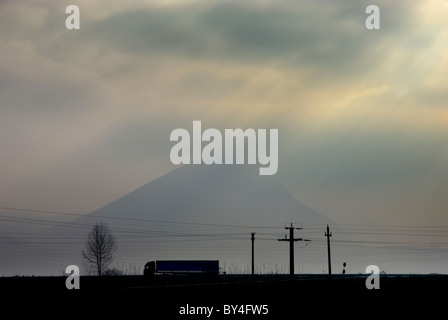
x=99, y=248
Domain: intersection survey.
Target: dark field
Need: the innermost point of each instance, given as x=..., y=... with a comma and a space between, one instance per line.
x=399, y=295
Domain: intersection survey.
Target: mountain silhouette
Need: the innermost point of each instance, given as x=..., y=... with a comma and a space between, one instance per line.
x=221, y=194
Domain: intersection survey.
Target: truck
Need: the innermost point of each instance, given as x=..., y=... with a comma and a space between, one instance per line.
x=181, y=267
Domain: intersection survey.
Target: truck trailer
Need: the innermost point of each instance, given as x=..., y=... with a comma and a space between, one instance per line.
x=181, y=267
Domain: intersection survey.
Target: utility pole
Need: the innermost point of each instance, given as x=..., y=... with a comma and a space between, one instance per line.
x=291, y=241
x=253, y=259
x=328, y=235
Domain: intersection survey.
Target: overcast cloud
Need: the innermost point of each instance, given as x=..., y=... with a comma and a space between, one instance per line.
x=85, y=115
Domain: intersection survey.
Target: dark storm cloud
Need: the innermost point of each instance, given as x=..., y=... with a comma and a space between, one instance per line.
x=328, y=37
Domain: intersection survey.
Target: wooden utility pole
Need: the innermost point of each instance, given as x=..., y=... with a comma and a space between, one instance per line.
x=328, y=235
x=253, y=256
x=291, y=241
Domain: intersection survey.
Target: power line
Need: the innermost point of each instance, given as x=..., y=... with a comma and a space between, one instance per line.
x=136, y=219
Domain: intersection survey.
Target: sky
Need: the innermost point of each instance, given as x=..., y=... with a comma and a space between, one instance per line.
x=86, y=115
